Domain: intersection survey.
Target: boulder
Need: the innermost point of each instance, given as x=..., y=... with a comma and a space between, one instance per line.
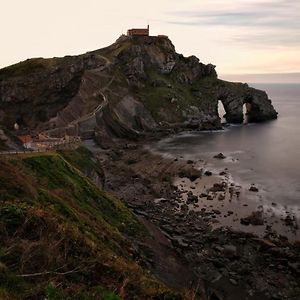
x=218, y=187
x=221, y=197
x=256, y=218
x=253, y=189
x=192, y=199
x=220, y=156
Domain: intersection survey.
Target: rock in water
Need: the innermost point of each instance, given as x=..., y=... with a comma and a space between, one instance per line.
x=253, y=189
x=220, y=156
x=208, y=173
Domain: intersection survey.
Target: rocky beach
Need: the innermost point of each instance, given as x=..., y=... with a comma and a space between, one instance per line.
x=206, y=219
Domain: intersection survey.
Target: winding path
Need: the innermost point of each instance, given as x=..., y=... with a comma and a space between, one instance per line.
x=100, y=107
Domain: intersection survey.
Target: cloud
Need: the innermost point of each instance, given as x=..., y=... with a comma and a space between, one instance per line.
x=271, y=40
x=279, y=20
x=275, y=14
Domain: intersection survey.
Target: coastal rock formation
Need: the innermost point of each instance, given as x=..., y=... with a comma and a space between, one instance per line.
x=235, y=95
x=137, y=84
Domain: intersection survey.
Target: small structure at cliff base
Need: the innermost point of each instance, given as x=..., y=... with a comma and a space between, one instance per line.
x=26, y=141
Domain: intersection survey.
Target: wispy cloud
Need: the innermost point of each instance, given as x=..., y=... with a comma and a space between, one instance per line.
x=279, y=20
x=275, y=13
x=271, y=40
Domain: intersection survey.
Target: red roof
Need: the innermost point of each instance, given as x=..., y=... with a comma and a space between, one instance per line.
x=25, y=138
x=138, y=31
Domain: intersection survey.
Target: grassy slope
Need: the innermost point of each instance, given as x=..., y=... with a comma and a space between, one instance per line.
x=158, y=100
x=56, y=222
x=3, y=146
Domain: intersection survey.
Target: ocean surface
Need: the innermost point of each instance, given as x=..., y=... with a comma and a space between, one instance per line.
x=265, y=154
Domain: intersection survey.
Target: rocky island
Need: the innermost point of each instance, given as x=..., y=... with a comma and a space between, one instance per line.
x=138, y=84
x=104, y=218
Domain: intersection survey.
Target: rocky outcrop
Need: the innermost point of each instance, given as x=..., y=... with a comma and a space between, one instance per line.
x=235, y=95
x=138, y=84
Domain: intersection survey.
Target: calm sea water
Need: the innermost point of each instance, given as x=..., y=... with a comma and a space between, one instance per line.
x=266, y=154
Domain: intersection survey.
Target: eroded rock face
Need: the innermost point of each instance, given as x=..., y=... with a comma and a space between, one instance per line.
x=135, y=85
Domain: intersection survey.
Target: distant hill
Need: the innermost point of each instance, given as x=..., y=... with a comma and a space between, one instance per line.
x=263, y=78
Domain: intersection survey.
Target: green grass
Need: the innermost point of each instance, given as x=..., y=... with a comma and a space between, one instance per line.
x=54, y=219
x=82, y=159
x=158, y=99
x=23, y=68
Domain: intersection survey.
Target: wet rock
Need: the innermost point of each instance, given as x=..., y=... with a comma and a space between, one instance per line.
x=219, y=248
x=256, y=218
x=291, y=221
x=141, y=213
x=220, y=156
x=191, y=174
x=218, y=187
x=130, y=147
x=131, y=161
x=184, y=208
x=192, y=199
x=230, y=251
x=265, y=244
x=221, y=197
x=253, y=189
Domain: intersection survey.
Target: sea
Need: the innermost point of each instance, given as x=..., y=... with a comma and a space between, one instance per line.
x=264, y=154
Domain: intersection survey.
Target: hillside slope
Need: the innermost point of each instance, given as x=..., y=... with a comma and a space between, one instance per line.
x=63, y=238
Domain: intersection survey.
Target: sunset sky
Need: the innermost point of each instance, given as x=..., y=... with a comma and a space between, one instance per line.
x=240, y=36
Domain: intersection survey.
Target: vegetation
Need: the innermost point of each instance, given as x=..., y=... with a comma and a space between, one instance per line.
x=23, y=68
x=62, y=237
x=3, y=146
x=165, y=98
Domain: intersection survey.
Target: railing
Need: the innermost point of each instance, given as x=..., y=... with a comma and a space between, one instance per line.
x=24, y=151
x=54, y=148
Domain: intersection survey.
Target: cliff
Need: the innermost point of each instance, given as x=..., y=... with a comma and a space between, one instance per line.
x=136, y=85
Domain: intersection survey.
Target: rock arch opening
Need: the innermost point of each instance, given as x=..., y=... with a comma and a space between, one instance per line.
x=222, y=112
x=235, y=109
x=246, y=111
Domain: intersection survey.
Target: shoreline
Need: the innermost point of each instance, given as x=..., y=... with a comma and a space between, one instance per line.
x=215, y=255
x=236, y=196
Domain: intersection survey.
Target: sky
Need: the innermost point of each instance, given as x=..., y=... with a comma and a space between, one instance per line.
x=238, y=36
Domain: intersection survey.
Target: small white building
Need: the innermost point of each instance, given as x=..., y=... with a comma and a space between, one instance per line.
x=26, y=141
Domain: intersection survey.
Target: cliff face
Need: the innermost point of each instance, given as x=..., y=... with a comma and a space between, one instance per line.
x=136, y=84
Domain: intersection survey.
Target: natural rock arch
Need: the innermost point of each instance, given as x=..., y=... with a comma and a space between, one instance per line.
x=235, y=96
